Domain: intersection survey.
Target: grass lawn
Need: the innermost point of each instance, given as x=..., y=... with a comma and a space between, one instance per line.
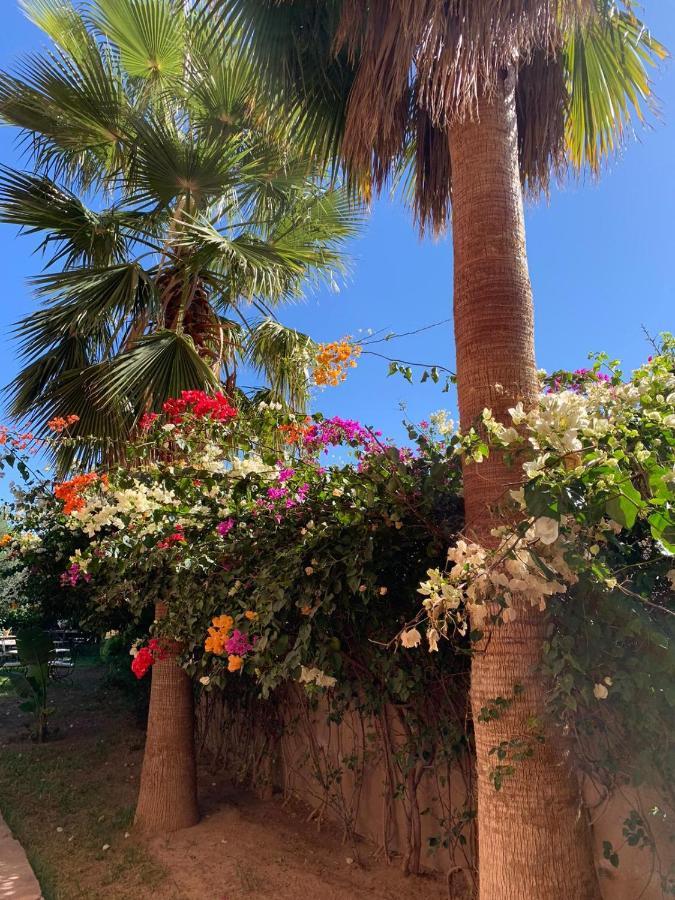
x=67, y=799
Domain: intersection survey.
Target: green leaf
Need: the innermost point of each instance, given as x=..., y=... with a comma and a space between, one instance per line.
x=624, y=507
x=663, y=529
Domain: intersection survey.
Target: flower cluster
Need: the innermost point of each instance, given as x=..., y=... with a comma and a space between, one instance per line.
x=595, y=460
x=73, y=575
x=176, y=537
x=335, y=431
x=71, y=492
x=199, y=404
x=145, y=657
x=333, y=360
x=60, y=424
x=223, y=640
x=18, y=440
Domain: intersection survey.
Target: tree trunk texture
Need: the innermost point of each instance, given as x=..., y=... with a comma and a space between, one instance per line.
x=167, y=799
x=534, y=841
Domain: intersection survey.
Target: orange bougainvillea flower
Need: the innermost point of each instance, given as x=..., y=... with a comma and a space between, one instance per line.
x=218, y=635
x=70, y=492
x=234, y=663
x=224, y=623
x=60, y=424
x=250, y=615
x=215, y=642
x=333, y=360
x=294, y=432
x=5, y=539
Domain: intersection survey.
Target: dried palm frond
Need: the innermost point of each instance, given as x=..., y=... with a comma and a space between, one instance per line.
x=429, y=61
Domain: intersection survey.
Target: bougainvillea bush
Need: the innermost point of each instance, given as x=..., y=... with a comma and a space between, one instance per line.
x=280, y=565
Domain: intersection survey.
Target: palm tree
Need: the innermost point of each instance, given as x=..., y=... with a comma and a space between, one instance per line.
x=173, y=213
x=475, y=100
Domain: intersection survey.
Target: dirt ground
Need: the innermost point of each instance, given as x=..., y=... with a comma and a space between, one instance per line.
x=70, y=802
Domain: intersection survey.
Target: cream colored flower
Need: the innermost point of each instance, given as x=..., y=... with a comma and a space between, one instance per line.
x=600, y=692
x=546, y=530
x=411, y=638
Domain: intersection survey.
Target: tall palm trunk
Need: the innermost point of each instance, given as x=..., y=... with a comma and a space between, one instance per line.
x=533, y=839
x=167, y=799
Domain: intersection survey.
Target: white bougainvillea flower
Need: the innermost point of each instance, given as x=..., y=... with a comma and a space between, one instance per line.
x=546, y=530
x=600, y=692
x=411, y=638
x=433, y=637
x=316, y=676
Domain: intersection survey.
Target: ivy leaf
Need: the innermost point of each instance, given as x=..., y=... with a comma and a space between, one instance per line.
x=624, y=507
x=663, y=530
x=541, y=501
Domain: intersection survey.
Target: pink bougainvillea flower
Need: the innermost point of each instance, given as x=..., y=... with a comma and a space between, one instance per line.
x=225, y=527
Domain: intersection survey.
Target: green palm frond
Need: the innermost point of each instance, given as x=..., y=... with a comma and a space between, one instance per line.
x=291, y=46
x=150, y=35
x=76, y=112
x=26, y=393
x=157, y=367
x=283, y=356
x=78, y=234
x=102, y=429
x=169, y=163
x=63, y=24
x=89, y=303
x=606, y=66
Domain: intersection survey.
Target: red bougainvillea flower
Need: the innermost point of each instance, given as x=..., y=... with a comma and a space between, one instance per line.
x=176, y=538
x=146, y=657
x=201, y=405
x=147, y=420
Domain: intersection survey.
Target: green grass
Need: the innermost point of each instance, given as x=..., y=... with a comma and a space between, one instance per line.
x=67, y=798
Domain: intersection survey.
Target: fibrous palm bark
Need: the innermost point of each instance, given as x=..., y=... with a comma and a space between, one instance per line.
x=167, y=800
x=533, y=838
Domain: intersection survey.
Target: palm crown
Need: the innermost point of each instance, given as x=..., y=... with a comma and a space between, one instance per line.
x=173, y=214
x=377, y=85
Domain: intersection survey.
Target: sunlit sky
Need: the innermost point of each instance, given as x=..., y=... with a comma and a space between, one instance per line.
x=602, y=262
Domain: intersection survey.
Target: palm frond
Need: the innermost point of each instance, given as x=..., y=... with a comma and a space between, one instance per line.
x=283, y=356
x=63, y=24
x=26, y=393
x=606, y=69
x=78, y=234
x=92, y=303
x=157, y=367
x=149, y=34
x=76, y=113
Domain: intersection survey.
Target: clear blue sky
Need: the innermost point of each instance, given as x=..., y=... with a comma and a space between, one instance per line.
x=602, y=261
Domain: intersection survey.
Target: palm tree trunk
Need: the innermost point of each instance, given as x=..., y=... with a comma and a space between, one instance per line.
x=534, y=842
x=167, y=799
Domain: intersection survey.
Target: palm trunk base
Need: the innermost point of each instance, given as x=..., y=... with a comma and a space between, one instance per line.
x=167, y=799
x=533, y=832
